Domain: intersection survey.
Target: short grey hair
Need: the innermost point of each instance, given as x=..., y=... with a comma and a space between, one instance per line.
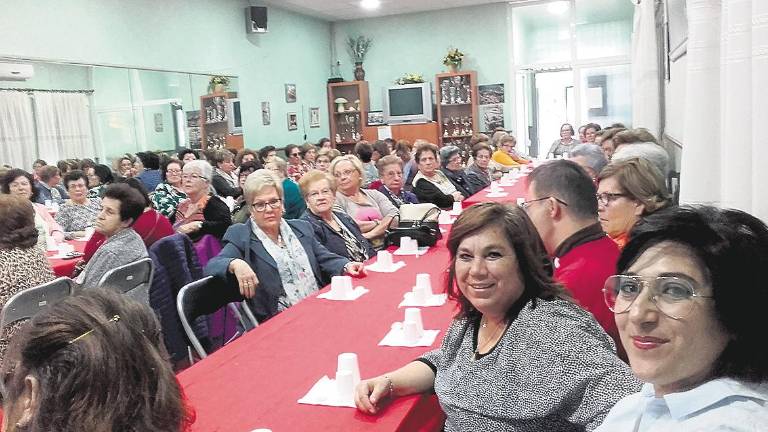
x=206, y=170
x=259, y=180
x=649, y=151
x=593, y=154
x=280, y=164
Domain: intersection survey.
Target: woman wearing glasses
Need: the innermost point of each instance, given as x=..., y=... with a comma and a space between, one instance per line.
x=170, y=192
x=688, y=304
x=627, y=191
x=202, y=212
x=275, y=263
x=506, y=156
x=369, y=208
x=336, y=230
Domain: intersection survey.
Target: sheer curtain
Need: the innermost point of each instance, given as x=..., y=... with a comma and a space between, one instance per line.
x=645, y=69
x=725, y=158
x=63, y=126
x=17, y=130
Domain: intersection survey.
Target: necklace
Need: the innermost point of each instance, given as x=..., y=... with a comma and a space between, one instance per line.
x=485, y=345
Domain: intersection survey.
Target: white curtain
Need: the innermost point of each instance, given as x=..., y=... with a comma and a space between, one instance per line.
x=645, y=69
x=17, y=130
x=725, y=153
x=63, y=126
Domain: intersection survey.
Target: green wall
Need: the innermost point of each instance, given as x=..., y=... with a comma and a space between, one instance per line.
x=418, y=42
x=202, y=36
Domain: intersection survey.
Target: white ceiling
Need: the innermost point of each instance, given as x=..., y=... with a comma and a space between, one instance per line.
x=339, y=10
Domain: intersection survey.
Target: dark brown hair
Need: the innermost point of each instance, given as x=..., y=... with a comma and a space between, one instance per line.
x=11, y=176
x=18, y=226
x=533, y=262
x=423, y=148
x=101, y=366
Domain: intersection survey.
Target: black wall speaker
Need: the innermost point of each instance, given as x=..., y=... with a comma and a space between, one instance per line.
x=256, y=19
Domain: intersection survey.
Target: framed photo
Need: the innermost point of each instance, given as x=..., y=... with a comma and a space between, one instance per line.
x=491, y=94
x=375, y=118
x=314, y=117
x=265, y=114
x=293, y=122
x=290, y=93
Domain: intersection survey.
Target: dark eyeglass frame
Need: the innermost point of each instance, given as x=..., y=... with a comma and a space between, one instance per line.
x=606, y=198
x=525, y=205
x=262, y=205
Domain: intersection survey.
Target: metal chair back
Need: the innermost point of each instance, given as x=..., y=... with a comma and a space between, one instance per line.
x=133, y=279
x=27, y=303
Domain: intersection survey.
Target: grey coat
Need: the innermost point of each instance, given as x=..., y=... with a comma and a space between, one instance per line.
x=122, y=248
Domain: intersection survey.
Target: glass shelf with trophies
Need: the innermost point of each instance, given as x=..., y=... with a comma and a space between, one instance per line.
x=456, y=94
x=214, y=130
x=348, y=105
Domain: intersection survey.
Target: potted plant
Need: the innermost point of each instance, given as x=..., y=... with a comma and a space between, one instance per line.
x=453, y=59
x=358, y=47
x=218, y=84
x=410, y=78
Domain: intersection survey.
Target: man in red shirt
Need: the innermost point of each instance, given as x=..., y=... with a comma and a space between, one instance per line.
x=560, y=200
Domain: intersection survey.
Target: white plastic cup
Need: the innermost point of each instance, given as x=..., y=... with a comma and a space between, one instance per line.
x=406, y=244
x=65, y=248
x=345, y=385
x=411, y=332
x=55, y=207
x=384, y=259
x=414, y=245
x=341, y=287
x=414, y=315
x=348, y=362
x=424, y=280
x=89, y=232
x=444, y=218
x=421, y=294
x=50, y=244
x=48, y=203
x=456, y=207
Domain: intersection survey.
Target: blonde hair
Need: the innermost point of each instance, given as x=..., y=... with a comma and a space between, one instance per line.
x=312, y=177
x=641, y=180
x=351, y=159
x=259, y=180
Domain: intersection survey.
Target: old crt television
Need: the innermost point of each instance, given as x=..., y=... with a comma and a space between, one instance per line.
x=408, y=103
x=234, y=118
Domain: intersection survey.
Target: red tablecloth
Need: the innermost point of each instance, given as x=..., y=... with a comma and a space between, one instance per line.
x=256, y=381
x=513, y=193
x=64, y=267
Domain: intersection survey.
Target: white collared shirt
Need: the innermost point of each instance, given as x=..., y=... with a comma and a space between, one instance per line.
x=723, y=404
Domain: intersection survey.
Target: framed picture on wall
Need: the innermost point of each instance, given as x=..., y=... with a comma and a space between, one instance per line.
x=290, y=93
x=293, y=122
x=265, y=114
x=314, y=117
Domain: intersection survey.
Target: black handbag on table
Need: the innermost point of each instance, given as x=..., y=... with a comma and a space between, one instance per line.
x=417, y=221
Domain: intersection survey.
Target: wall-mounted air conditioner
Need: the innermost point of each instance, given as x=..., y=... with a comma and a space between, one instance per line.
x=16, y=71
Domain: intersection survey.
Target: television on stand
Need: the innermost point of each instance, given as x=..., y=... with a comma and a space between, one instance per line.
x=408, y=103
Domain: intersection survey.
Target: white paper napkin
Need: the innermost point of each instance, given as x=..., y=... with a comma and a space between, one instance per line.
x=376, y=268
x=324, y=393
x=434, y=300
x=356, y=293
x=446, y=221
x=496, y=195
x=396, y=337
x=420, y=251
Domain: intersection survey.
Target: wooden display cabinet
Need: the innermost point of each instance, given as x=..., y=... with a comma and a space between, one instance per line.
x=214, y=129
x=457, y=98
x=347, y=121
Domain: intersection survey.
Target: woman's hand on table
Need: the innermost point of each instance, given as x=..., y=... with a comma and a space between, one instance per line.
x=246, y=278
x=457, y=196
x=190, y=227
x=77, y=234
x=370, y=393
x=356, y=269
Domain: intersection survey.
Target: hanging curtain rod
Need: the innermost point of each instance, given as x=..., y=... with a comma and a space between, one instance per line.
x=27, y=90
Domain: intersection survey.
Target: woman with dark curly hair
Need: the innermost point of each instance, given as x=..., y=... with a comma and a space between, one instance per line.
x=92, y=362
x=519, y=355
x=99, y=177
x=22, y=264
x=19, y=182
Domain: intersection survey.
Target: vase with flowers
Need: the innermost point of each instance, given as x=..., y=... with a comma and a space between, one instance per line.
x=218, y=84
x=358, y=47
x=410, y=78
x=453, y=59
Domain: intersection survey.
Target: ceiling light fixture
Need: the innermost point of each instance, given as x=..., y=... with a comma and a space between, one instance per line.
x=558, y=7
x=369, y=4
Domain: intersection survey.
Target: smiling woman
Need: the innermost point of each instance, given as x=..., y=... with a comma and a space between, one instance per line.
x=689, y=308
x=516, y=334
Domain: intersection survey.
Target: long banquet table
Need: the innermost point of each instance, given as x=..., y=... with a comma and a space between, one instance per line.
x=64, y=267
x=256, y=381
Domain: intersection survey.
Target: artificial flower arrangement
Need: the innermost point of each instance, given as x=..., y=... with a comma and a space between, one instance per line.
x=358, y=47
x=410, y=78
x=218, y=80
x=453, y=58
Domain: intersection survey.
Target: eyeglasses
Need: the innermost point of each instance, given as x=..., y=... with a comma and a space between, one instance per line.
x=527, y=204
x=192, y=177
x=673, y=296
x=315, y=195
x=173, y=171
x=606, y=198
x=295, y=154
x=345, y=173
x=260, y=206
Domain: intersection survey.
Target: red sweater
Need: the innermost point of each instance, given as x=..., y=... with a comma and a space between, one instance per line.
x=151, y=226
x=583, y=270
